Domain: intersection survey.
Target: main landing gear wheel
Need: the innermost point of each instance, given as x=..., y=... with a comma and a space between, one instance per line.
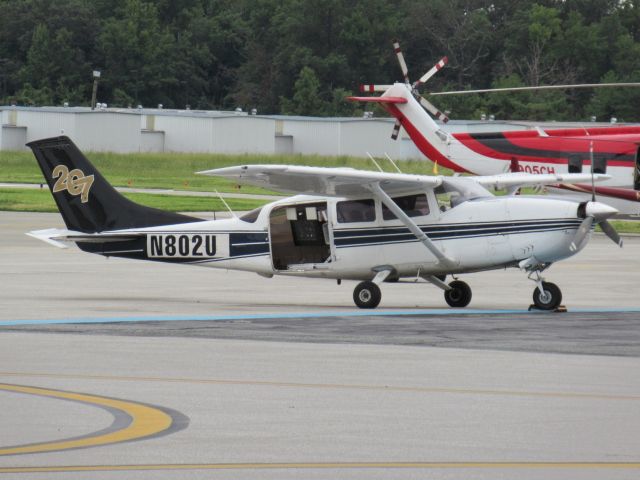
x=549, y=298
x=460, y=294
x=367, y=295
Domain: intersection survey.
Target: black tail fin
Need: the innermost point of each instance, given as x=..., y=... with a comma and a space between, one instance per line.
x=85, y=199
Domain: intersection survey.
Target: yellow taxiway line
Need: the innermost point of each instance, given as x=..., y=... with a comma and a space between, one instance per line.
x=329, y=465
x=145, y=421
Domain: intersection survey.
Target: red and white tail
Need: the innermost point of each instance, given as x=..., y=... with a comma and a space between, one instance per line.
x=388, y=99
x=374, y=88
x=407, y=105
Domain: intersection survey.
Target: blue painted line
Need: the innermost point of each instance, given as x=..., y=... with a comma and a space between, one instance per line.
x=357, y=313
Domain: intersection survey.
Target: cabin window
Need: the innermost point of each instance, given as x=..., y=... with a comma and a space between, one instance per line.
x=575, y=163
x=412, y=205
x=352, y=211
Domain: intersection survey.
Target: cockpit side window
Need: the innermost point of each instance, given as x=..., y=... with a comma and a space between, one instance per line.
x=412, y=205
x=351, y=211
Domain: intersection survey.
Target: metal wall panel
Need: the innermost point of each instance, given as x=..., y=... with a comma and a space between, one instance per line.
x=185, y=134
x=244, y=134
x=374, y=136
x=107, y=132
x=318, y=137
x=43, y=124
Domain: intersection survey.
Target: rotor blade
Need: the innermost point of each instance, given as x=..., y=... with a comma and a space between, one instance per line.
x=403, y=64
x=433, y=110
x=396, y=130
x=541, y=87
x=610, y=232
x=374, y=88
x=443, y=61
x=581, y=233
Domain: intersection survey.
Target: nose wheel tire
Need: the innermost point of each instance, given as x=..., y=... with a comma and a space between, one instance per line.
x=367, y=295
x=549, y=298
x=460, y=294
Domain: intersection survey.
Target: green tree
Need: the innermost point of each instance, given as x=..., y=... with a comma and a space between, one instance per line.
x=306, y=97
x=134, y=50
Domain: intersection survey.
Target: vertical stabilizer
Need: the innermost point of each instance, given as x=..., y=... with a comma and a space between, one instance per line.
x=87, y=202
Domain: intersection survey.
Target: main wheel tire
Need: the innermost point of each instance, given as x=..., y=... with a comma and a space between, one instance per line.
x=549, y=298
x=460, y=294
x=367, y=295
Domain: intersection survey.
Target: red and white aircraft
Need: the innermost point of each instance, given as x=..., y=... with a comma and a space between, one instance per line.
x=611, y=150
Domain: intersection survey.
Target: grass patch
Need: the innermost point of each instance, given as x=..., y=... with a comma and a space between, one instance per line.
x=30, y=200
x=176, y=170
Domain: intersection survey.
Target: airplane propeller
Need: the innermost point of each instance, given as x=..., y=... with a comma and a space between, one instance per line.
x=598, y=213
x=594, y=212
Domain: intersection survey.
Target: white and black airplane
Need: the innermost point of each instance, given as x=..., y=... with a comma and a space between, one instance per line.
x=345, y=224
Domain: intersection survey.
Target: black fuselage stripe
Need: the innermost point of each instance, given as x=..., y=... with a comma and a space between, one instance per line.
x=499, y=143
x=411, y=238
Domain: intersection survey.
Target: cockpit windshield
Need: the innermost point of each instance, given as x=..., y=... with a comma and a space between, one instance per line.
x=457, y=190
x=252, y=216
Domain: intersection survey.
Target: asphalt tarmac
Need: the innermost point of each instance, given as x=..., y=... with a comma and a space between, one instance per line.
x=116, y=369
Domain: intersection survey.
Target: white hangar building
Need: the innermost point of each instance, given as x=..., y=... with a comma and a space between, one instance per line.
x=191, y=131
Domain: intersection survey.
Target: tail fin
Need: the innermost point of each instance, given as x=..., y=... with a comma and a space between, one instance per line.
x=85, y=199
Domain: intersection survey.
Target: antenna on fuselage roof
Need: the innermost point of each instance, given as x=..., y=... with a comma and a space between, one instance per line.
x=374, y=162
x=226, y=204
x=392, y=162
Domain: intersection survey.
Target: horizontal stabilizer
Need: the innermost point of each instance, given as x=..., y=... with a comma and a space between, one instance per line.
x=378, y=99
x=58, y=237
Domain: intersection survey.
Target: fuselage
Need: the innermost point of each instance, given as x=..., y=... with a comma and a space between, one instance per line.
x=344, y=238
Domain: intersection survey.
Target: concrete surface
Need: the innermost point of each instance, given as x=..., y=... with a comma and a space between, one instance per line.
x=338, y=396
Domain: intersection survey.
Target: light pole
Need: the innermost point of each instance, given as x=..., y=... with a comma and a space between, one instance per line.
x=96, y=76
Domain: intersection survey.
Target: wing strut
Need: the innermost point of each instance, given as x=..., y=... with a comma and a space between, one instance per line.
x=411, y=225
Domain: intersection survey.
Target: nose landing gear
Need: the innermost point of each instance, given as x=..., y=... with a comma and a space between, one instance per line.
x=547, y=295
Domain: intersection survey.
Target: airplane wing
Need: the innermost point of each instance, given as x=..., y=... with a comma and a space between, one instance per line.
x=338, y=182
x=519, y=179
